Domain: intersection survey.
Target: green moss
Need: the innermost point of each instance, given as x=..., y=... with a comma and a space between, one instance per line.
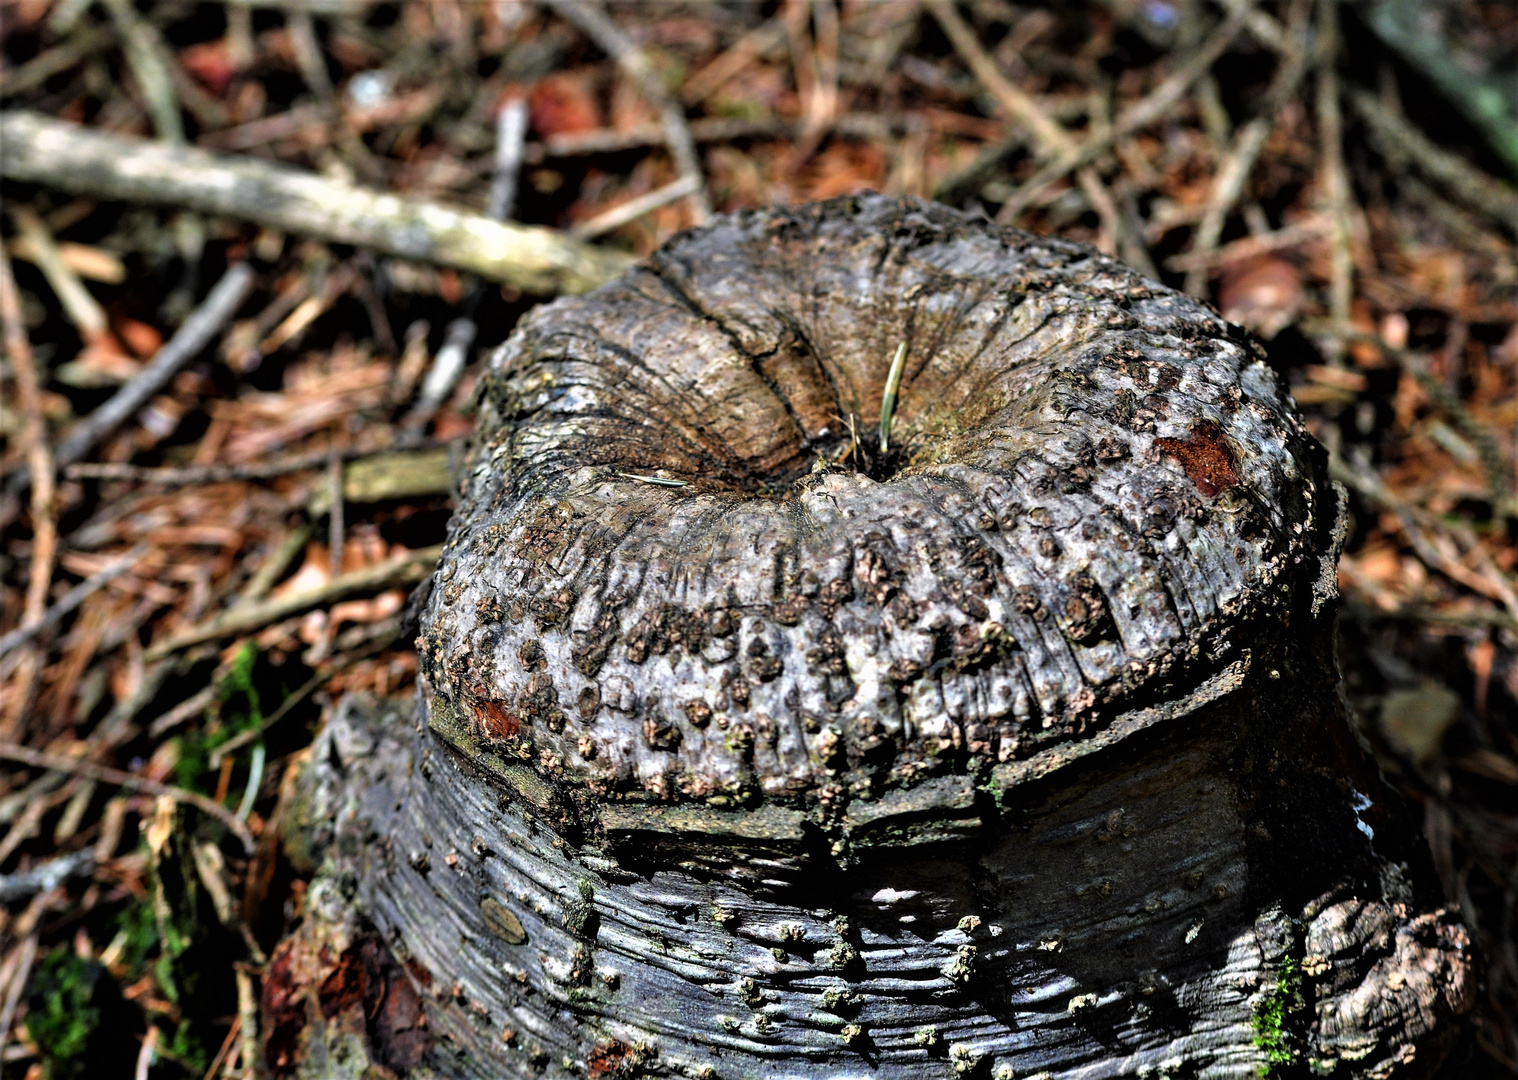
x=61, y=1015
x=1271, y=1034
x=185, y=1049
x=239, y=709
x=139, y=929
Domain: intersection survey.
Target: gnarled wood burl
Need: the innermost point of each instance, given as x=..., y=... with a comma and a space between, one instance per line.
x=749, y=748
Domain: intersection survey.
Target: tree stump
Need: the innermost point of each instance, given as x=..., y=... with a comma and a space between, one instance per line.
x=754, y=742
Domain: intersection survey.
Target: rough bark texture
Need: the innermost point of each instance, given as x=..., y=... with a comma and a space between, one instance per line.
x=1016, y=749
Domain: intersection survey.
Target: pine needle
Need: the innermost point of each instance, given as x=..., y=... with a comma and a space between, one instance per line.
x=888, y=399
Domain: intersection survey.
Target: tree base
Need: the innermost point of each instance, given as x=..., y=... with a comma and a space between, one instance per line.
x=1122, y=923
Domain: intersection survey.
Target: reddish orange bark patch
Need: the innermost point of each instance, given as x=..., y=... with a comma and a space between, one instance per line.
x=283, y=1016
x=1206, y=457
x=610, y=1058
x=345, y=986
x=497, y=722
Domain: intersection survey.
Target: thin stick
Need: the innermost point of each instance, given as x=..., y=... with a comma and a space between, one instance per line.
x=1150, y=109
x=147, y=1053
x=60, y=58
x=1049, y=136
x=46, y=876
x=247, y=1015
x=633, y=209
x=1498, y=476
x=70, y=600
x=610, y=38
x=888, y=398
x=1399, y=139
x=1427, y=536
x=214, y=474
x=1019, y=105
x=1261, y=24
x=1336, y=194
x=447, y=368
x=231, y=1039
x=1249, y=247
x=76, y=766
x=19, y=977
x=743, y=52
x=814, y=59
x=313, y=72
x=184, y=346
x=195, y=703
x=245, y=618
x=510, y=144
x=147, y=57
x=38, y=149
x=1237, y=165
x=300, y=693
x=82, y=309
x=34, y=438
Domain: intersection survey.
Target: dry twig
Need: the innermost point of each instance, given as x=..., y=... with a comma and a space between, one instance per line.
x=1234, y=170
x=34, y=437
x=1400, y=141
x=69, y=601
x=245, y=618
x=66, y=156
x=77, y=766
x=1131, y=120
x=83, y=310
x=196, y=333
x=595, y=24
x=1335, y=180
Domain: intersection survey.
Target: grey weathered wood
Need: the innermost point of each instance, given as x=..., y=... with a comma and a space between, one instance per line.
x=1018, y=752
x=42, y=150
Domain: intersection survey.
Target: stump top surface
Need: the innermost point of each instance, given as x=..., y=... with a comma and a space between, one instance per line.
x=683, y=565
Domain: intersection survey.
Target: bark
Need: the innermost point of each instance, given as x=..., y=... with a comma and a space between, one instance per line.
x=1016, y=749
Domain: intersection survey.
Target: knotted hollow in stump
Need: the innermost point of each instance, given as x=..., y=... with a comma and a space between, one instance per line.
x=755, y=743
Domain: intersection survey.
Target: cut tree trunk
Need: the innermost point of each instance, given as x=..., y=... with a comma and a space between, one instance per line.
x=754, y=742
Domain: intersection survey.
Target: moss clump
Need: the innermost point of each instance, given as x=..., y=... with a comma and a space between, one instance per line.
x=1271, y=1034
x=62, y=1013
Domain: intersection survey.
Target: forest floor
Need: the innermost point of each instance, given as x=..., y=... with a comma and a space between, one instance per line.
x=228, y=436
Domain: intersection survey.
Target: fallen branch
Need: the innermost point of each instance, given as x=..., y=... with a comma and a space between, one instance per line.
x=1131, y=120
x=46, y=876
x=1237, y=165
x=1335, y=179
x=595, y=24
x=40, y=460
x=245, y=618
x=184, y=346
x=1405, y=145
x=69, y=601
x=76, y=766
x=41, y=150
x=1048, y=135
